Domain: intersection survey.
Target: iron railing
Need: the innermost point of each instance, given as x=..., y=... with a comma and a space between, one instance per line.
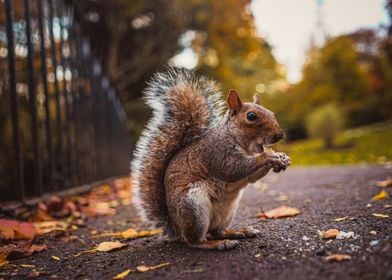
x=61, y=124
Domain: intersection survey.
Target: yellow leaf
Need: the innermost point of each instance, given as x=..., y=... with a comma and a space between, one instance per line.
x=55, y=258
x=380, y=196
x=340, y=219
x=280, y=212
x=144, y=268
x=45, y=227
x=385, y=183
x=329, y=234
x=104, y=247
x=27, y=265
x=109, y=246
x=337, y=257
x=122, y=275
x=380, y=215
x=3, y=258
x=86, y=251
x=131, y=233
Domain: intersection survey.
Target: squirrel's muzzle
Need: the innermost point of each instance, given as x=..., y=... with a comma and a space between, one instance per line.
x=278, y=136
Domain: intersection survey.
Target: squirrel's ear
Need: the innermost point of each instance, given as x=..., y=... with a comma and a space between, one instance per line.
x=234, y=101
x=256, y=99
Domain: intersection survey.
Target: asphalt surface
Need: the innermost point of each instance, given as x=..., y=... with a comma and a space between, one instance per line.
x=288, y=248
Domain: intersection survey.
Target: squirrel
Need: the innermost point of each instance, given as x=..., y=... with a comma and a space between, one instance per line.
x=191, y=163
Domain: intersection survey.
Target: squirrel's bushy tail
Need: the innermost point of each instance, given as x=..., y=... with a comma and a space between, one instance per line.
x=184, y=107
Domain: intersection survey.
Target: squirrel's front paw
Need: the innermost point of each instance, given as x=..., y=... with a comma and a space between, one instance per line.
x=279, y=161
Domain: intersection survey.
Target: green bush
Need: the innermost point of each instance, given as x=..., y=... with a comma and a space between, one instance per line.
x=325, y=122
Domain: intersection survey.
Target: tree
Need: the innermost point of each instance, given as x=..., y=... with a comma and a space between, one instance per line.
x=334, y=74
x=229, y=49
x=325, y=122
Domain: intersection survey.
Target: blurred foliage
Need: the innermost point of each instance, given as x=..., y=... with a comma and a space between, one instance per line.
x=350, y=71
x=325, y=122
x=368, y=144
x=137, y=38
x=230, y=51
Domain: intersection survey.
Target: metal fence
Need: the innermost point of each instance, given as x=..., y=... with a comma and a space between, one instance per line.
x=61, y=124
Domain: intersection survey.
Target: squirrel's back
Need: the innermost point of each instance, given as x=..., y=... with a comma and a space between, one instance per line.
x=184, y=106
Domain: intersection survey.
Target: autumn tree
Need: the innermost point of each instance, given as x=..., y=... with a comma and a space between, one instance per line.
x=230, y=50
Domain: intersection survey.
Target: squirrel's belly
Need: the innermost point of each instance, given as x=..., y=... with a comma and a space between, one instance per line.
x=223, y=210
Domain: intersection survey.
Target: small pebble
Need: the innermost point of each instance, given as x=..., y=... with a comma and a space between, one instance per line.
x=305, y=238
x=373, y=232
x=374, y=242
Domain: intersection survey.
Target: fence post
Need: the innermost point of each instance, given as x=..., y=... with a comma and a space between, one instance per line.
x=33, y=102
x=14, y=101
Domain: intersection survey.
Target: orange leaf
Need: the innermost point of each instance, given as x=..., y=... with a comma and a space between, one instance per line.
x=45, y=227
x=337, y=258
x=385, y=183
x=329, y=234
x=11, y=229
x=280, y=212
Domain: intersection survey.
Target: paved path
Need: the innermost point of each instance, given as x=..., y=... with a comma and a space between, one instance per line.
x=287, y=248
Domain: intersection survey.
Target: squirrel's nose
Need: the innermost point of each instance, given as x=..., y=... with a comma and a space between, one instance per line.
x=279, y=136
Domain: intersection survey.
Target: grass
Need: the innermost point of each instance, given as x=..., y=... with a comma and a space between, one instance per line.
x=370, y=144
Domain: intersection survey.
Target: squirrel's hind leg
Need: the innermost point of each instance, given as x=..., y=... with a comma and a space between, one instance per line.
x=193, y=218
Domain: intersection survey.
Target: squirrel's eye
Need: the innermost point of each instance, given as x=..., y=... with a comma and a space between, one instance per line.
x=251, y=116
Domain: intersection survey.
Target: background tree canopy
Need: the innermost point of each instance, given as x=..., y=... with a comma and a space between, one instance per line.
x=137, y=38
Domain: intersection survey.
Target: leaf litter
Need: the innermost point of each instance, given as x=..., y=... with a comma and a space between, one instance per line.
x=384, y=183
x=380, y=196
x=106, y=246
x=337, y=258
x=144, y=268
x=280, y=212
x=140, y=268
x=130, y=233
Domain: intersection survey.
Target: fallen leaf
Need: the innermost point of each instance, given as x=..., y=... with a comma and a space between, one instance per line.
x=329, y=234
x=337, y=257
x=109, y=246
x=130, y=233
x=99, y=209
x=380, y=196
x=12, y=229
x=385, y=183
x=23, y=249
x=340, y=219
x=104, y=247
x=122, y=275
x=3, y=258
x=49, y=226
x=280, y=212
x=380, y=215
x=56, y=258
x=144, y=268
x=27, y=265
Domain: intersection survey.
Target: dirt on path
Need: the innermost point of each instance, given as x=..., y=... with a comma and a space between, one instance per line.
x=288, y=248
